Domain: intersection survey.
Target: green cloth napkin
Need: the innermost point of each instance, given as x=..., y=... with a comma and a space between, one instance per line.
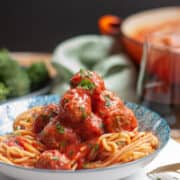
x=93, y=52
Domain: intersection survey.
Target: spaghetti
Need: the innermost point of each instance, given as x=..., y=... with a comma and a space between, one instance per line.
x=124, y=147
x=20, y=148
x=26, y=119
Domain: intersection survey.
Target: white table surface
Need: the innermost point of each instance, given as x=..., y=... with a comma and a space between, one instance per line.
x=170, y=154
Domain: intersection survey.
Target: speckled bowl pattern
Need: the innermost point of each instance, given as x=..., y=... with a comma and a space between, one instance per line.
x=148, y=121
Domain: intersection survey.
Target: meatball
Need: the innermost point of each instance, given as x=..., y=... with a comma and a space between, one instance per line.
x=75, y=106
x=120, y=119
x=91, y=127
x=106, y=102
x=53, y=159
x=88, y=80
x=44, y=116
x=57, y=136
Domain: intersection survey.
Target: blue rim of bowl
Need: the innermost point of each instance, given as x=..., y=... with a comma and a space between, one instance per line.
x=116, y=166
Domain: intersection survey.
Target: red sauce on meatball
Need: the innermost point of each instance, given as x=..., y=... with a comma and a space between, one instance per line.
x=57, y=136
x=53, y=159
x=91, y=127
x=89, y=81
x=106, y=102
x=120, y=119
x=75, y=106
x=42, y=119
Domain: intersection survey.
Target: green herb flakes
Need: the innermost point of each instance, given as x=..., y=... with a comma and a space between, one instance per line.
x=84, y=115
x=95, y=148
x=17, y=128
x=55, y=158
x=60, y=128
x=71, y=153
x=66, y=100
x=62, y=144
x=86, y=84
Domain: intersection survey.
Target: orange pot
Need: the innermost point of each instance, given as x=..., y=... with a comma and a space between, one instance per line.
x=125, y=30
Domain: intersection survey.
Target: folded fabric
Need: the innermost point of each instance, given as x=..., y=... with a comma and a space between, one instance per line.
x=94, y=52
x=119, y=75
x=81, y=52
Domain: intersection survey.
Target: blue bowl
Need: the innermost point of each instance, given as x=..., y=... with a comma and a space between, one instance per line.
x=148, y=121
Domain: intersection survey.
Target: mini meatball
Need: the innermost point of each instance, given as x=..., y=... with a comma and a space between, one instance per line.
x=75, y=106
x=91, y=127
x=53, y=159
x=88, y=80
x=106, y=102
x=120, y=119
x=43, y=117
x=57, y=136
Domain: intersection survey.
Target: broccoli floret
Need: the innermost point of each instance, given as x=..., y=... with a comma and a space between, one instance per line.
x=18, y=83
x=38, y=74
x=13, y=76
x=7, y=65
x=4, y=92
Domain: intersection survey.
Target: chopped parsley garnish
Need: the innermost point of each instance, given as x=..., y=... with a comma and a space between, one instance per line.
x=60, y=128
x=66, y=100
x=18, y=128
x=107, y=100
x=93, y=150
x=63, y=144
x=96, y=147
x=55, y=158
x=71, y=153
x=101, y=125
x=86, y=84
x=84, y=115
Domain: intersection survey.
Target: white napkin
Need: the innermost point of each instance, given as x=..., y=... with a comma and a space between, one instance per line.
x=170, y=154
